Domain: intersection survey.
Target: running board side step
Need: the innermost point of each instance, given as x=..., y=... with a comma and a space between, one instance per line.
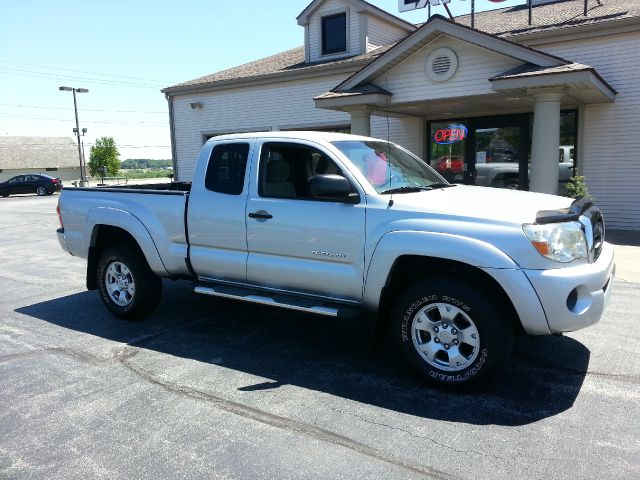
x=275, y=300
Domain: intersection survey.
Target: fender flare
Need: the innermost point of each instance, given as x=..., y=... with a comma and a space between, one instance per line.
x=394, y=245
x=114, y=217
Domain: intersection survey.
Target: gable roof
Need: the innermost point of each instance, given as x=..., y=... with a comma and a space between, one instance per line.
x=303, y=18
x=436, y=26
x=37, y=152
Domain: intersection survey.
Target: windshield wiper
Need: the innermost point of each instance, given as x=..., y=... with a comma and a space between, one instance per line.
x=441, y=185
x=407, y=189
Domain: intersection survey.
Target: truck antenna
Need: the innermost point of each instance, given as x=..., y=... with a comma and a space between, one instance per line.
x=386, y=85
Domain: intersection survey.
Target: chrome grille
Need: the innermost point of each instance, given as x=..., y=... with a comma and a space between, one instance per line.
x=597, y=225
x=593, y=226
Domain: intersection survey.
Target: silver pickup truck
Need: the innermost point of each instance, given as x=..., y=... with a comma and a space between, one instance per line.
x=341, y=225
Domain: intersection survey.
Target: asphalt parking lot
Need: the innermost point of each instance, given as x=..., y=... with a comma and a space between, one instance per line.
x=207, y=388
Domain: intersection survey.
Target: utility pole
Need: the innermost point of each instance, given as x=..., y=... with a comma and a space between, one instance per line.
x=83, y=170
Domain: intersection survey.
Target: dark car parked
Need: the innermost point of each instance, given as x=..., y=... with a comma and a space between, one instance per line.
x=30, y=183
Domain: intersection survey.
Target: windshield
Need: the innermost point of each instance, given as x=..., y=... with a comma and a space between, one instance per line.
x=388, y=167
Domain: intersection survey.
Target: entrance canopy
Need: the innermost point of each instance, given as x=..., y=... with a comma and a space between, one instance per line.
x=444, y=69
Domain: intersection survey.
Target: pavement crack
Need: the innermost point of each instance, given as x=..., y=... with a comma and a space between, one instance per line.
x=542, y=364
x=70, y=352
x=275, y=420
x=416, y=436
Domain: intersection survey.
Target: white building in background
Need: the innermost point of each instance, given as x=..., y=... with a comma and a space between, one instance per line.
x=505, y=104
x=54, y=156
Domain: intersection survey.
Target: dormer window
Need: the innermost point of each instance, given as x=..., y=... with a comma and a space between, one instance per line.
x=334, y=34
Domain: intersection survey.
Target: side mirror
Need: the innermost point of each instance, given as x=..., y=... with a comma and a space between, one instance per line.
x=332, y=187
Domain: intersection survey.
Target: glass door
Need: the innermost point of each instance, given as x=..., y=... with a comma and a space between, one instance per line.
x=448, y=150
x=498, y=151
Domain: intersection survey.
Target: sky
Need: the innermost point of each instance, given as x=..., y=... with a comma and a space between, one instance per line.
x=126, y=51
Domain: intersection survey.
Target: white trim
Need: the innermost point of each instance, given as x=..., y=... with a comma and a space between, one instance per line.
x=364, y=32
x=340, y=103
x=307, y=50
x=555, y=79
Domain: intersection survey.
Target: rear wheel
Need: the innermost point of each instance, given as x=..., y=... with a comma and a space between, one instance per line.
x=127, y=286
x=41, y=191
x=452, y=333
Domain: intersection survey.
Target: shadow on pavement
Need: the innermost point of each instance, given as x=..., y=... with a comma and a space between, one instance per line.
x=328, y=355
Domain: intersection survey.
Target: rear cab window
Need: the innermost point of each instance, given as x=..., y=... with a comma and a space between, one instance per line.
x=227, y=168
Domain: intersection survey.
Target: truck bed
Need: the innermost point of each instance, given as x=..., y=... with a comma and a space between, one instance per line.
x=152, y=213
x=151, y=187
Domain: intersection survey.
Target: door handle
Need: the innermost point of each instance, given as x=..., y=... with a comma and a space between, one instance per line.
x=261, y=214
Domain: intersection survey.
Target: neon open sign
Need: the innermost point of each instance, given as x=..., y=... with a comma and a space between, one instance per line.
x=451, y=134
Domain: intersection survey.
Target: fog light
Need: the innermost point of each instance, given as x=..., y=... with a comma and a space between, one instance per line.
x=572, y=299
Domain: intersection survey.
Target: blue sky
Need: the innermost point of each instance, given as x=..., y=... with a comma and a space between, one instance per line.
x=124, y=52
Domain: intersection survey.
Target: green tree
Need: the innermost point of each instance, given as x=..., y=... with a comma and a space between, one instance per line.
x=104, y=154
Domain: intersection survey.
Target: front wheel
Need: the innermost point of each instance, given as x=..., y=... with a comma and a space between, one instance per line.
x=128, y=287
x=455, y=335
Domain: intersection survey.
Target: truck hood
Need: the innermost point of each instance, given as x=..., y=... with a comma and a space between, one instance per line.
x=493, y=205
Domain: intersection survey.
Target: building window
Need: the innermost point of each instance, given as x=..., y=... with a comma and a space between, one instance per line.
x=334, y=34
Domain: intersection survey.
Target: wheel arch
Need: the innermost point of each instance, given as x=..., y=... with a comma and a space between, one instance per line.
x=410, y=256
x=104, y=235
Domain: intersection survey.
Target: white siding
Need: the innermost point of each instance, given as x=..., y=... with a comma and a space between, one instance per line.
x=280, y=105
x=409, y=81
x=407, y=132
x=610, y=157
x=381, y=33
x=331, y=7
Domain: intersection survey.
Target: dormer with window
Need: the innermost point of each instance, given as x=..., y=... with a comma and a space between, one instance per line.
x=337, y=29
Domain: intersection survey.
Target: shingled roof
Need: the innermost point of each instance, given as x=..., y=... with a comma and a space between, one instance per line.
x=513, y=21
x=37, y=152
x=281, y=63
x=508, y=23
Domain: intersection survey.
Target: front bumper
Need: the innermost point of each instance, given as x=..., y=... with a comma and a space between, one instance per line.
x=575, y=297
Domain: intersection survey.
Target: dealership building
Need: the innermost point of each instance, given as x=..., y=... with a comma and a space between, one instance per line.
x=525, y=99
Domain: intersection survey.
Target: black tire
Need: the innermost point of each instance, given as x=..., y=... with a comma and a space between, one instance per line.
x=41, y=191
x=147, y=286
x=418, y=323
x=5, y=195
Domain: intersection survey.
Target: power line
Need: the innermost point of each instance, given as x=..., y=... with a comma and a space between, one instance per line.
x=45, y=75
x=85, y=71
x=73, y=146
x=39, y=107
x=52, y=119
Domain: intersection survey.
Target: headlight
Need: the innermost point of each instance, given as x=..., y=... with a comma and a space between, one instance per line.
x=562, y=242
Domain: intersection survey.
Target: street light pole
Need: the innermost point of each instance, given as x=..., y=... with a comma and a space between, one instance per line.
x=83, y=169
